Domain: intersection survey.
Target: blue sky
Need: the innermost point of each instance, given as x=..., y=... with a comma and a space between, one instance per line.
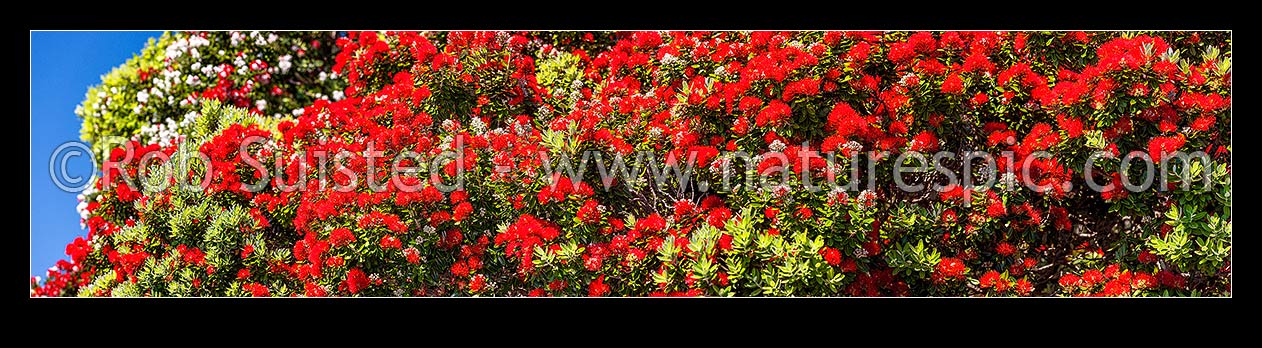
x=63, y=66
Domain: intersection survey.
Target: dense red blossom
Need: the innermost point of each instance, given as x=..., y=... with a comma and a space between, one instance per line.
x=503, y=101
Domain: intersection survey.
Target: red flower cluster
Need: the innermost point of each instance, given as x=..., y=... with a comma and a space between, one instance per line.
x=1112, y=281
x=508, y=103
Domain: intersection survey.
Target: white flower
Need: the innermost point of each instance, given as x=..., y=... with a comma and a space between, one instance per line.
x=85, y=197
x=284, y=63
x=261, y=104
x=669, y=59
x=338, y=95
x=197, y=41
x=853, y=146
x=176, y=48
x=777, y=146
x=477, y=125
x=1008, y=179
x=905, y=78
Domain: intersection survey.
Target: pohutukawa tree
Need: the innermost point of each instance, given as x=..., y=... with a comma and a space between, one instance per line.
x=295, y=140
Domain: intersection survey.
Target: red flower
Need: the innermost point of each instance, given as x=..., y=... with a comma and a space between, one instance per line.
x=356, y=280
x=460, y=269
x=807, y=87
x=341, y=236
x=557, y=285
x=1092, y=277
x=718, y=217
x=683, y=208
x=1159, y=147
x=953, y=84
x=951, y=192
x=948, y=217
x=589, y=213
x=980, y=99
x=925, y=141
x=1170, y=279
x=477, y=283
x=1071, y=125
x=849, y=265
x=995, y=208
x=193, y=256
x=804, y=212
x=1203, y=123
x=520, y=238
x=461, y=211
x=1068, y=281
x=949, y=268
x=598, y=288
x=313, y=290
x=1005, y=249
x=1116, y=287
x=831, y=255
x=1141, y=281
x=1024, y=287
x=725, y=242
x=1112, y=271
x=989, y=279
x=651, y=224
x=413, y=255
x=774, y=114
x=256, y=290
x=390, y=242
